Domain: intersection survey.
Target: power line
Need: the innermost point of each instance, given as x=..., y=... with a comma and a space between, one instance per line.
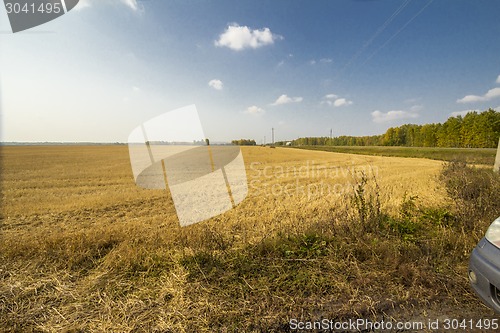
x=376, y=34
x=397, y=32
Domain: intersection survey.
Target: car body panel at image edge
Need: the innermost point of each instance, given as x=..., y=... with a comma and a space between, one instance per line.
x=484, y=268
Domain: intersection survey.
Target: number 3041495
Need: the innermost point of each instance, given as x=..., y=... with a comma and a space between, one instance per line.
x=483, y=324
x=47, y=8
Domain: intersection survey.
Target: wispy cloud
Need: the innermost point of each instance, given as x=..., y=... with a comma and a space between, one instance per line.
x=284, y=99
x=254, y=110
x=216, y=84
x=82, y=4
x=498, y=79
x=238, y=37
x=416, y=108
x=491, y=94
x=132, y=4
x=322, y=61
x=282, y=62
x=411, y=100
x=335, y=101
x=384, y=117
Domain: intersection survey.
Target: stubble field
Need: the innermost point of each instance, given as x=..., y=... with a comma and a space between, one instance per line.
x=320, y=235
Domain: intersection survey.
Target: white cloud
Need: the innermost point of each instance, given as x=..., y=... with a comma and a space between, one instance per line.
x=136, y=89
x=312, y=62
x=254, y=110
x=216, y=84
x=381, y=117
x=284, y=99
x=498, y=79
x=239, y=38
x=491, y=94
x=460, y=113
x=336, y=101
x=341, y=102
x=132, y=4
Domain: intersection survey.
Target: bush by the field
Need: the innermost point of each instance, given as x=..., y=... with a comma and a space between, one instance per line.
x=475, y=193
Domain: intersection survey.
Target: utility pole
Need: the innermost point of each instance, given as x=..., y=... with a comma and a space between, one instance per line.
x=272, y=129
x=264, y=140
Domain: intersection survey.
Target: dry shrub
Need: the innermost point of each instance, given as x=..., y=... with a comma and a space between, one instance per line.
x=475, y=193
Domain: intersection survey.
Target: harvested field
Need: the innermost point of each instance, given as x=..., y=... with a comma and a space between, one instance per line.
x=320, y=235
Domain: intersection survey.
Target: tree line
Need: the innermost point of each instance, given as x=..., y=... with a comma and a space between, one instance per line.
x=474, y=130
x=244, y=142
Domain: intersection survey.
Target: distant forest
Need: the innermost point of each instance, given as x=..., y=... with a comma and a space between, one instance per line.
x=244, y=142
x=474, y=130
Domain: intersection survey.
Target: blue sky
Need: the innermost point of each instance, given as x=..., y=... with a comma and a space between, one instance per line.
x=302, y=67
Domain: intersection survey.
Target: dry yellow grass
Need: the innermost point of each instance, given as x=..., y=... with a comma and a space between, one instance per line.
x=83, y=248
x=77, y=188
